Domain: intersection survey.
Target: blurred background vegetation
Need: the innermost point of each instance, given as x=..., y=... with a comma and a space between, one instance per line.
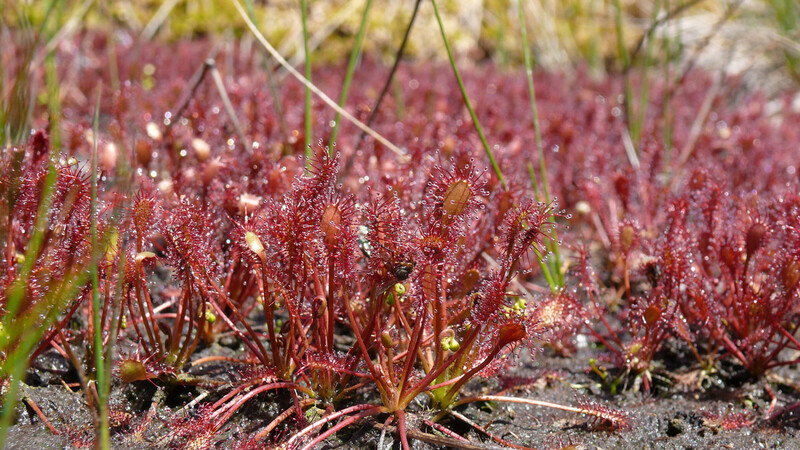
x=757, y=37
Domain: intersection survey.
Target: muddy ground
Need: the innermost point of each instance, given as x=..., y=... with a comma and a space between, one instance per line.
x=725, y=409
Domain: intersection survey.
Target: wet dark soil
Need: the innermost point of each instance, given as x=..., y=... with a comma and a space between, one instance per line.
x=684, y=409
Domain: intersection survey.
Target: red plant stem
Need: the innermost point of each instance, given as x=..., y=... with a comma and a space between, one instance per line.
x=413, y=345
x=786, y=334
x=281, y=417
x=257, y=351
x=401, y=429
x=297, y=331
x=142, y=340
x=331, y=308
x=150, y=311
x=445, y=431
x=177, y=329
x=52, y=334
x=433, y=387
x=217, y=406
x=497, y=439
x=345, y=422
x=610, y=330
x=187, y=350
x=372, y=409
x=402, y=317
x=375, y=306
x=236, y=312
x=41, y=415
x=773, y=400
x=425, y=382
x=238, y=402
x=269, y=303
x=190, y=343
x=453, y=391
x=390, y=363
x=735, y=350
x=208, y=359
x=352, y=388
x=140, y=284
x=598, y=310
x=382, y=385
x=60, y=351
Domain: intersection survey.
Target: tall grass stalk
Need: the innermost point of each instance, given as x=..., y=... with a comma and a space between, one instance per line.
x=277, y=97
x=309, y=116
x=552, y=267
x=625, y=58
x=666, y=111
x=22, y=332
x=472, y=114
x=787, y=16
x=28, y=331
x=102, y=431
x=389, y=79
x=351, y=67
x=644, y=90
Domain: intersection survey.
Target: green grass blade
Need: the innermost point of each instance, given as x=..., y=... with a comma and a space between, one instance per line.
x=552, y=268
x=309, y=116
x=351, y=66
x=532, y=92
x=102, y=434
x=472, y=114
x=277, y=97
x=625, y=58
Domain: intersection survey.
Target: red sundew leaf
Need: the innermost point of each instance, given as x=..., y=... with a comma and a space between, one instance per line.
x=491, y=298
x=454, y=191
x=523, y=231
x=602, y=415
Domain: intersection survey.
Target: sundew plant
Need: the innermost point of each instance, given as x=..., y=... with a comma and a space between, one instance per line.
x=201, y=248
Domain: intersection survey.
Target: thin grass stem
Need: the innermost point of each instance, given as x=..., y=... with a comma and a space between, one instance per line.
x=463, y=89
x=351, y=66
x=102, y=431
x=309, y=113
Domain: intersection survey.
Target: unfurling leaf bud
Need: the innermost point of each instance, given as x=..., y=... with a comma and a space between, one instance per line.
x=450, y=344
x=386, y=339
x=211, y=170
x=144, y=152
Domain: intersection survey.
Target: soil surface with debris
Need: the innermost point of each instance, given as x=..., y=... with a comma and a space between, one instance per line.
x=683, y=410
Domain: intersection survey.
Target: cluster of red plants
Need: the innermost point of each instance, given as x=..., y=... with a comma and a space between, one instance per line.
x=352, y=267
